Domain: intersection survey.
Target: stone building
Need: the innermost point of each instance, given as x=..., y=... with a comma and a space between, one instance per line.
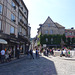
x=70, y=33
x=14, y=25
x=53, y=28
x=70, y=36
x=50, y=27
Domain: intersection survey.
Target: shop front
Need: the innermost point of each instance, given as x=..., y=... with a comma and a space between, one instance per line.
x=8, y=42
x=24, y=44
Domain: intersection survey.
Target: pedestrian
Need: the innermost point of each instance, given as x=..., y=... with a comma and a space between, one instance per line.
x=2, y=55
x=28, y=53
x=18, y=53
x=61, y=53
x=68, y=52
x=7, y=56
x=9, y=52
x=37, y=53
x=52, y=52
x=31, y=53
x=47, y=52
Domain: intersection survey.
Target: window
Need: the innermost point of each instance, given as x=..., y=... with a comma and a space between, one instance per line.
x=51, y=31
x=0, y=25
x=46, y=31
x=12, y=30
x=0, y=9
x=13, y=5
x=74, y=33
x=25, y=13
x=20, y=29
x=70, y=33
x=20, y=17
x=12, y=17
x=23, y=31
x=48, y=25
x=65, y=33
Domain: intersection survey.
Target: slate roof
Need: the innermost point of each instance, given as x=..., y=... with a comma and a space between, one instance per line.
x=58, y=25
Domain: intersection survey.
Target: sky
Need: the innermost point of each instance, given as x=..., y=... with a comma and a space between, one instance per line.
x=61, y=11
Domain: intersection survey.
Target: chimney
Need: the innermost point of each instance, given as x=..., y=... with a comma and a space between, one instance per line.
x=72, y=28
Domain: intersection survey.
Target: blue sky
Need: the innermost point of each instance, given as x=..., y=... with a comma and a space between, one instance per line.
x=61, y=11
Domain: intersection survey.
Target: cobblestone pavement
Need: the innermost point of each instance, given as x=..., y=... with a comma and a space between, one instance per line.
x=42, y=66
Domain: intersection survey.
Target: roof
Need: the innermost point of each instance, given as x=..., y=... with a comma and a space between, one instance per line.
x=70, y=29
x=58, y=25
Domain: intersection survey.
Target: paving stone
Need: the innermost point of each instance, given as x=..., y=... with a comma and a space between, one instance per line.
x=42, y=66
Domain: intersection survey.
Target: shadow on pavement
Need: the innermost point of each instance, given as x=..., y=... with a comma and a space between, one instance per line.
x=27, y=66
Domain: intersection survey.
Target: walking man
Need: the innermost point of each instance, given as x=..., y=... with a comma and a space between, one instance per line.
x=2, y=56
x=31, y=53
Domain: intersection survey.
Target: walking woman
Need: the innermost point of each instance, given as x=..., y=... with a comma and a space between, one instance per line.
x=37, y=53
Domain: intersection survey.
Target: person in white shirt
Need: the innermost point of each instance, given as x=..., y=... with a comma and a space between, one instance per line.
x=2, y=55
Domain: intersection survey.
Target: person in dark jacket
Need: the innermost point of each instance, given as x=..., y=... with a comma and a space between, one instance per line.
x=18, y=53
x=31, y=53
x=37, y=53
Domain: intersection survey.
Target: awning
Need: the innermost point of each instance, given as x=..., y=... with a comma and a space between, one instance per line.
x=2, y=41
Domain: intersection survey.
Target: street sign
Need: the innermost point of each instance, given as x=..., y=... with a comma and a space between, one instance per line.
x=44, y=45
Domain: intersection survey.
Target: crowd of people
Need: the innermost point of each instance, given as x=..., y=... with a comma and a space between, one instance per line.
x=30, y=53
x=65, y=52
x=7, y=54
x=45, y=51
x=48, y=52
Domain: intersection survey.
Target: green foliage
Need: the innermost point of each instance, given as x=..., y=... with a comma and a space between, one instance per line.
x=68, y=41
x=52, y=39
